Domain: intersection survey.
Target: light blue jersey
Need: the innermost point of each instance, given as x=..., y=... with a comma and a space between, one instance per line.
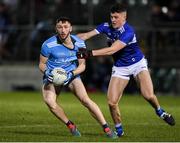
x=131, y=53
x=59, y=55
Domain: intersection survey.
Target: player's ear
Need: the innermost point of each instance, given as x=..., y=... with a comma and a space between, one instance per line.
x=125, y=15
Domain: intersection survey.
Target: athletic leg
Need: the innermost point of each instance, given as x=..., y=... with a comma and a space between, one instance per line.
x=79, y=90
x=50, y=98
x=146, y=88
x=50, y=93
x=115, y=91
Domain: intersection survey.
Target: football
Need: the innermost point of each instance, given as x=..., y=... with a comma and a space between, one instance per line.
x=59, y=76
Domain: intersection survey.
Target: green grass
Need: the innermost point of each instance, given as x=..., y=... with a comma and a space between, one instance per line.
x=24, y=117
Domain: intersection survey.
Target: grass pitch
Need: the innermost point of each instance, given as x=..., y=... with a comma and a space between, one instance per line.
x=24, y=117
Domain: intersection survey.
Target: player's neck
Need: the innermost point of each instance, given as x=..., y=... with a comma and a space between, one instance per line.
x=68, y=43
x=121, y=26
x=67, y=40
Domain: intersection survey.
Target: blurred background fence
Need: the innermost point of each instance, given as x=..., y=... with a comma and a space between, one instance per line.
x=25, y=24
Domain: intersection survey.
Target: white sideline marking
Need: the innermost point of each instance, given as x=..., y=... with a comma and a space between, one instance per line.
x=25, y=126
x=52, y=126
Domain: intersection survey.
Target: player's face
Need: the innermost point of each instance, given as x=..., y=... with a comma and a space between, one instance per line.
x=64, y=29
x=118, y=19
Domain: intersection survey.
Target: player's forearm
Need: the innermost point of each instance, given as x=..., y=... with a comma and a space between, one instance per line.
x=79, y=69
x=87, y=35
x=83, y=36
x=103, y=52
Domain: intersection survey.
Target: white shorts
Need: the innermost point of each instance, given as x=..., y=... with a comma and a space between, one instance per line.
x=127, y=71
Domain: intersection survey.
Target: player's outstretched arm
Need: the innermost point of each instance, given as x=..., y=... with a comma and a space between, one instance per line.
x=116, y=46
x=87, y=35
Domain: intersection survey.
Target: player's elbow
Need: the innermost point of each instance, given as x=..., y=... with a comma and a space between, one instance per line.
x=113, y=49
x=83, y=68
x=41, y=67
x=111, y=52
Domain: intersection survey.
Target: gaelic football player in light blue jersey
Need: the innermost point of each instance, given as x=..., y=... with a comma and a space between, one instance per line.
x=60, y=51
x=128, y=60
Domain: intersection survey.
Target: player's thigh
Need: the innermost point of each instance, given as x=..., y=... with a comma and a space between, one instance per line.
x=77, y=87
x=49, y=92
x=144, y=80
x=116, y=88
x=58, y=89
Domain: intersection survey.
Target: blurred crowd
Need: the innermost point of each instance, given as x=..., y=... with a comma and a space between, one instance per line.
x=164, y=12
x=31, y=21
x=24, y=25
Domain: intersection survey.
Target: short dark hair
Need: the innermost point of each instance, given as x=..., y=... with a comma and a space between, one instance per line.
x=118, y=7
x=63, y=19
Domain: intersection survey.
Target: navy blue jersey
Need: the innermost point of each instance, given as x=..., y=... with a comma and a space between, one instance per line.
x=131, y=53
x=59, y=55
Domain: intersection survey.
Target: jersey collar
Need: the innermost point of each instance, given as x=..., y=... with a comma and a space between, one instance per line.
x=60, y=42
x=121, y=28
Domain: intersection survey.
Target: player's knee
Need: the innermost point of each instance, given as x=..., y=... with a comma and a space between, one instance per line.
x=150, y=97
x=112, y=103
x=50, y=103
x=52, y=106
x=85, y=101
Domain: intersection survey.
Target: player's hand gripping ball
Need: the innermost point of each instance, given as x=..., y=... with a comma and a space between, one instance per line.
x=59, y=76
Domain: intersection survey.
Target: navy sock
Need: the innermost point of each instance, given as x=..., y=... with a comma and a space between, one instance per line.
x=159, y=111
x=69, y=123
x=105, y=126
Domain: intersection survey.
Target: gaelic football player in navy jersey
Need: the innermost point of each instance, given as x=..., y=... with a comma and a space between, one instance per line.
x=60, y=51
x=128, y=60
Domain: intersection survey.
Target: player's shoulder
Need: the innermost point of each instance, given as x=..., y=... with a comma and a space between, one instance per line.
x=128, y=28
x=105, y=25
x=76, y=38
x=77, y=41
x=50, y=42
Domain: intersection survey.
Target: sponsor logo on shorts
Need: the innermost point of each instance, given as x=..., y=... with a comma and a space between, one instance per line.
x=133, y=59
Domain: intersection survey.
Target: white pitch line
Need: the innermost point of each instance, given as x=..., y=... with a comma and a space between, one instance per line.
x=52, y=126
x=25, y=126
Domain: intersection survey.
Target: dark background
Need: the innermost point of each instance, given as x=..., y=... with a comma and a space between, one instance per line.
x=25, y=24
